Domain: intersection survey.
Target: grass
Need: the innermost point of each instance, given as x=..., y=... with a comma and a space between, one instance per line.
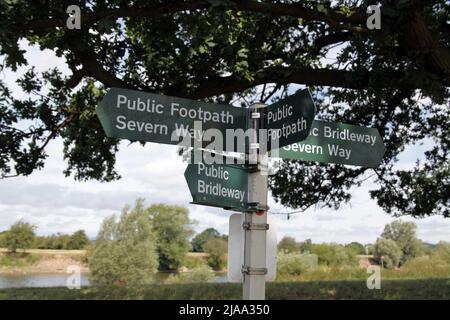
x=356, y=289
x=17, y=260
x=419, y=268
x=346, y=274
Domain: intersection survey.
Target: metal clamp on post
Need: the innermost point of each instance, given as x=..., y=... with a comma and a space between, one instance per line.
x=260, y=207
x=251, y=167
x=256, y=115
x=255, y=226
x=254, y=271
x=254, y=146
x=256, y=206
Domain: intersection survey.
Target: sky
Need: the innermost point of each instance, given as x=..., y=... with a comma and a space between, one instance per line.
x=154, y=172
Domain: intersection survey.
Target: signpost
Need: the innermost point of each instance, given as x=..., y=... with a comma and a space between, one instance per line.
x=279, y=128
x=341, y=143
x=217, y=185
x=254, y=269
x=236, y=245
x=289, y=120
x=141, y=116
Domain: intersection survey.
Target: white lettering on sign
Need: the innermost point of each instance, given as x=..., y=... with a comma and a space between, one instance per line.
x=314, y=132
x=140, y=126
x=151, y=106
x=139, y=105
x=216, y=189
x=201, y=115
x=306, y=148
x=287, y=130
x=217, y=172
x=346, y=135
x=183, y=131
x=333, y=150
x=280, y=114
x=338, y=151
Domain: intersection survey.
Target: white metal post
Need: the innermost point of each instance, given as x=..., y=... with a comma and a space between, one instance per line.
x=255, y=223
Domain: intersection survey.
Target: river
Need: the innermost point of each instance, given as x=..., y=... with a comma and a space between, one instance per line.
x=60, y=280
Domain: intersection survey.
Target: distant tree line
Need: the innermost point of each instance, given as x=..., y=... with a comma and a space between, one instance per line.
x=397, y=244
x=22, y=235
x=76, y=241
x=328, y=254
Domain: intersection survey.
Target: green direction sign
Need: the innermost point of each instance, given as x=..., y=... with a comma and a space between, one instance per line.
x=218, y=185
x=342, y=143
x=289, y=120
x=141, y=116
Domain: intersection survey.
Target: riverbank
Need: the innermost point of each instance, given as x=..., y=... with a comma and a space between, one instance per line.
x=423, y=289
x=42, y=261
x=36, y=261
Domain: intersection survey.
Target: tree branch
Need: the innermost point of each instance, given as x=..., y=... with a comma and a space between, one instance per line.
x=92, y=68
x=125, y=12
x=419, y=37
x=332, y=38
x=285, y=75
x=280, y=75
x=55, y=131
x=75, y=79
x=275, y=9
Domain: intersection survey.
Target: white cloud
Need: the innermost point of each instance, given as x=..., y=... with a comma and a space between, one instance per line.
x=41, y=60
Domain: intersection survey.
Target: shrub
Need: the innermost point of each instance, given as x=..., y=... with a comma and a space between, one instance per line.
x=217, y=250
x=14, y=260
x=305, y=246
x=199, y=274
x=295, y=263
x=442, y=252
x=424, y=263
x=200, y=239
x=334, y=255
x=194, y=262
x=404, y=235
x=388, y=251
x=288, y=244
x=172, y=228
x=78, y=240
x=19, y=236
x=370, y=248
x=356, y=247
x=427, y=267
x=2, y=239
x=124, y=251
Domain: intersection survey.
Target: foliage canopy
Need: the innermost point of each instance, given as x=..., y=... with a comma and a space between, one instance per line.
x=19, y=236
x=395, y=79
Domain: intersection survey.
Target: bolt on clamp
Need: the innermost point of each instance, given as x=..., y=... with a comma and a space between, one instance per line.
x=255, y=226
x=254, y=271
